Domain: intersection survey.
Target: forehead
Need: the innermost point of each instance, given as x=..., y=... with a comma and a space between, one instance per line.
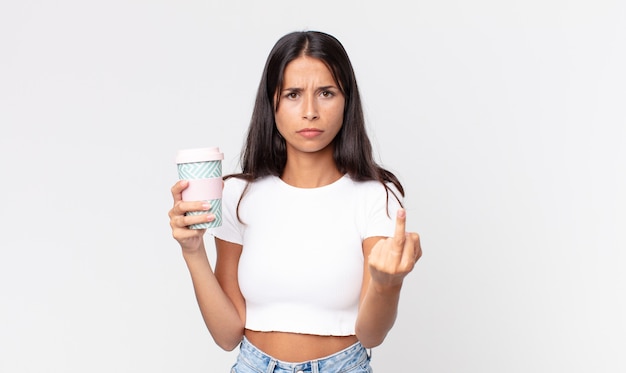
x=307, y=70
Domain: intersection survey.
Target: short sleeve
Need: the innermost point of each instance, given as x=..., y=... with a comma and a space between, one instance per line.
x=381, y=206
x=231, y=229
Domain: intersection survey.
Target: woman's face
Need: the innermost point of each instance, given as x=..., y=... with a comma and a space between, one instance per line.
x=310, y=111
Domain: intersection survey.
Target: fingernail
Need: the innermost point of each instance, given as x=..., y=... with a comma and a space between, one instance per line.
x=210, y=217
x=401, y=213
x=206, y=206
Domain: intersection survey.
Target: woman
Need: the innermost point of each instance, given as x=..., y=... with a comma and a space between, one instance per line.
x=312, y=251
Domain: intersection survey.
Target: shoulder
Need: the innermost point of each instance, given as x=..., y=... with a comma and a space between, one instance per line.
x=374, y=188
x=233, y=185
x=376, y=199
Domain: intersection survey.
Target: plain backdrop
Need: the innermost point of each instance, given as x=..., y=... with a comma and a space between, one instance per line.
x=505, y=120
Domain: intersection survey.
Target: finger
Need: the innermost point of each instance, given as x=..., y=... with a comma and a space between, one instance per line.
x=184, y=221
x=182, y=234
x=177, y=222
x=177, y=190
x=197, y=219
x=400, y=233
x=414, y=239
x=182, y=207
x=411, y=252
x=416, y=244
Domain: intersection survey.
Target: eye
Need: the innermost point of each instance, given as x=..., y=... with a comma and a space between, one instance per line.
x=291, y=95
x=327, y=94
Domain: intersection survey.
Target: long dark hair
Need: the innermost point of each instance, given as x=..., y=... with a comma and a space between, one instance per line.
x=265, y=151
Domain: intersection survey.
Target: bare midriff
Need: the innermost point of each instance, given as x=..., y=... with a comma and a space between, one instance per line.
x=293, y=347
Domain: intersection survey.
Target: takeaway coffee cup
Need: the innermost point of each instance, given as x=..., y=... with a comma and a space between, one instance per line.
x=202, y=167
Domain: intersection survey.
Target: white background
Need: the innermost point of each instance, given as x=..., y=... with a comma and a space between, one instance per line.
x=505, y=120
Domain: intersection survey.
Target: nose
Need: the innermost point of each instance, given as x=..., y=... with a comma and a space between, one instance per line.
x=310, y=108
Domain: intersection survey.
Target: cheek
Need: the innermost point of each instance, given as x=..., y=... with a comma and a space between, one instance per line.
x=279, y=119
x=286, y=117
x=338, y=115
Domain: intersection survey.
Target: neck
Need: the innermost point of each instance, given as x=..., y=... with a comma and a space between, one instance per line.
x=310, y=170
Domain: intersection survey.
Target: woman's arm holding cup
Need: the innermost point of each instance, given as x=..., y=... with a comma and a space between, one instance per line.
x=219, y=312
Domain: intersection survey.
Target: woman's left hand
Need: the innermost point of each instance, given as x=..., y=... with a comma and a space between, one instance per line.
x=391, y=259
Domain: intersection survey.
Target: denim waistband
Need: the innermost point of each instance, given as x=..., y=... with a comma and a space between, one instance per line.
x=344, y=360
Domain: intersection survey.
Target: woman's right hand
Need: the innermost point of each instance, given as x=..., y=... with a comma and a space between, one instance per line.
x=189, y=239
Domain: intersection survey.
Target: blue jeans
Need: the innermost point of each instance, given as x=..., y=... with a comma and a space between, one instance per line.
x=353, y=359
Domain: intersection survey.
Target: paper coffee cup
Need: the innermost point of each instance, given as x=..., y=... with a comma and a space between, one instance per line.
x=202, y=167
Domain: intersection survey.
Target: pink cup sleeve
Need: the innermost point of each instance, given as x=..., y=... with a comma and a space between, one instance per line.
x=203, y=189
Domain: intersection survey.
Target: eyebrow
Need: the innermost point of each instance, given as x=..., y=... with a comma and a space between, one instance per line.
x=297, y=89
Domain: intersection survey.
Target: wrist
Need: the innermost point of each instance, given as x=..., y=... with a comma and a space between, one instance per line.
x=194, y=254
x=386, y=288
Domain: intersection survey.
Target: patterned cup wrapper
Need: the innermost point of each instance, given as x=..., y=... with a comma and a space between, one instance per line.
x=199, y=170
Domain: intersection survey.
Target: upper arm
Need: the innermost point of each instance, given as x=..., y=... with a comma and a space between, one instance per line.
x=226, y=272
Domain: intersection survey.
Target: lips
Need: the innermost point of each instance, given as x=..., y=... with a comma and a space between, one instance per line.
x=309, y=132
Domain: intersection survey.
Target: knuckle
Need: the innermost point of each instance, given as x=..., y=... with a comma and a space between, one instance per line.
x=177, y=222
x=399, y=240
x=177, y=234
x=178, y=209
x=415, y=237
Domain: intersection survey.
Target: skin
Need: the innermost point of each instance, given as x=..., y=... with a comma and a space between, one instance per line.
x=309, y=115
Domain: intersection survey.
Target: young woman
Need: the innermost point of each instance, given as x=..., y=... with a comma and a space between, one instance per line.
x=312, y=251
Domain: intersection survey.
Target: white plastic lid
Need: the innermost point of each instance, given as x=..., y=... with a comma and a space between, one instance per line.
x=199, y=155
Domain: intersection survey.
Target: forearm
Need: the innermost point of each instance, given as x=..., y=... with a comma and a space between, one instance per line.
x=219, y=313
x=377, y=314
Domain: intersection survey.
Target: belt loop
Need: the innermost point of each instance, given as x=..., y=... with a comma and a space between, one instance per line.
x=315, y=367
x=271, y=366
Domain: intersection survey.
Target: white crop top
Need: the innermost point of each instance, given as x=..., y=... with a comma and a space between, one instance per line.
x=301, y=267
